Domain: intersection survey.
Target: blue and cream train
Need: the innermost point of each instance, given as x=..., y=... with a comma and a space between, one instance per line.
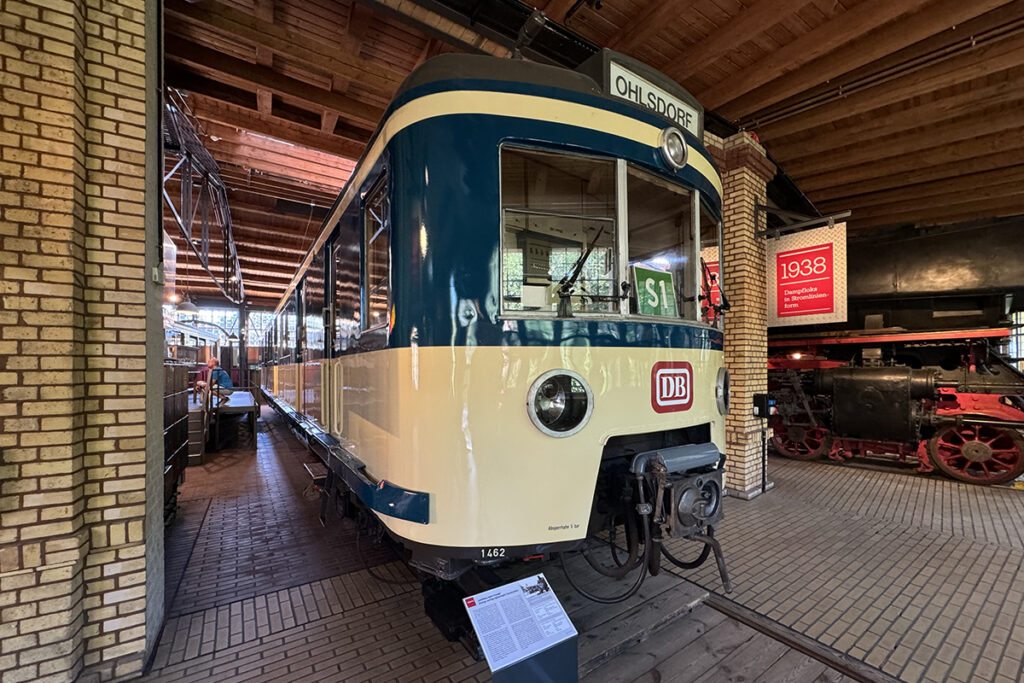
x=506, y=338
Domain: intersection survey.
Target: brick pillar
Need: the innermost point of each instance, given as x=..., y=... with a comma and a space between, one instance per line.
x=73, y=340
x=745, y=174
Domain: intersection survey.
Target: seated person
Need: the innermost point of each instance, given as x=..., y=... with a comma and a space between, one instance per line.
x=220, y=380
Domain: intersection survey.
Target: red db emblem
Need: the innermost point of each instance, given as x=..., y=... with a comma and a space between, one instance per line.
x=470, y=602
x=671, y=386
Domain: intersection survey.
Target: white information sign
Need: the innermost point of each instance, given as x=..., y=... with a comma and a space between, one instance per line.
x=518, y=620
x=807, y=277
x=627, y=85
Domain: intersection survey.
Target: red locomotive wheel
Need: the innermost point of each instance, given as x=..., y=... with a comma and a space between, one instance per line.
x=801, y=442
x=978, y=454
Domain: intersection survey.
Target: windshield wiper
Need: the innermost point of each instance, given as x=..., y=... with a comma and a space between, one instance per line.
x=565, y=286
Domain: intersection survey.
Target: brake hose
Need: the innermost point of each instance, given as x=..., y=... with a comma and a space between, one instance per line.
x=646, y=529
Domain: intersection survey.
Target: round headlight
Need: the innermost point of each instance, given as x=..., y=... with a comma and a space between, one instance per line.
x=722, y=391
x=560, y=403
x=673, y=147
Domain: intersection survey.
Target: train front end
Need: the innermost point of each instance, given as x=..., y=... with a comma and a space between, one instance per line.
x=554, y=371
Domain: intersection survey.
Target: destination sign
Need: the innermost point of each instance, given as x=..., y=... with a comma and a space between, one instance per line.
x=626, y=85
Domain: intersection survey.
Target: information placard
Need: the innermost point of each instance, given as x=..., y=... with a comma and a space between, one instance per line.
x=516, y=621
x=655, y=292
x=807, y=277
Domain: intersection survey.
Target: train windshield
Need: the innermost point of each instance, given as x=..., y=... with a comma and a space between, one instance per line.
x=563, y=252
x=661, y=263
x=560, y=240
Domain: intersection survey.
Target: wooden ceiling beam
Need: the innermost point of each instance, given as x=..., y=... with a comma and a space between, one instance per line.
x=750, y=22
x=253, y=77
x=965, y=128
x=337, y=57
x=328, y=122
x=834, y=187
x=248, y=261
x=984, y=61
x=557, y=9
x=433, y=24
x=431, y=48
x=208, y=296
x=651, y=20
x=266, y=275
x=949, y=40
x=257, y=160
x=1011, y=205
x=865, y=33
x=276, y=239
x=238, y=180
x=918, y=205
x=889, y=121
x=360, y=18
x=255, y=215
x=304, y=167
x=961, y=184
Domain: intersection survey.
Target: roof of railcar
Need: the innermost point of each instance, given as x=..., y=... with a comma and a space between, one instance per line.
x=586, y=79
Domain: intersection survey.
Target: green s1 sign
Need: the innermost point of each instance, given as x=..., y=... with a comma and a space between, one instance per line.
x=655, y=294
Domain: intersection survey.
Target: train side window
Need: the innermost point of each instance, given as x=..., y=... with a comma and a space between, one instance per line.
x=711, y=286
x=376, y=255
x=558, y=234
x=661, y=246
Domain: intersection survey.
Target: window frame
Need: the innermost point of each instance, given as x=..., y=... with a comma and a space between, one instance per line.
x=380, y=184
x=616, y=221
x=621, y=225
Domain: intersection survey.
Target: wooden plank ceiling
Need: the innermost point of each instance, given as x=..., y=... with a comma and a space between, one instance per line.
x=905, y=111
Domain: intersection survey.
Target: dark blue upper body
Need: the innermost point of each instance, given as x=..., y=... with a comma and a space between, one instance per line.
x=444, y=190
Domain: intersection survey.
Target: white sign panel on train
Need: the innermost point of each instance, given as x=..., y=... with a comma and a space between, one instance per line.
x=629, y=86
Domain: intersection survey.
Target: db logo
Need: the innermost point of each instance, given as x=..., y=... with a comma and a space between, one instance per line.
x=671, y=386
x=470, y=602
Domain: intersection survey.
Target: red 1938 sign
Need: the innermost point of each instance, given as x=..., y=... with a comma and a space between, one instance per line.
x=804, y=281
x=807, y=277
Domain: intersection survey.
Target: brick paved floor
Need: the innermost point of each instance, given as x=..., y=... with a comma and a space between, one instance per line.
x=256, y=503
x=262, y=592
x=921, y=577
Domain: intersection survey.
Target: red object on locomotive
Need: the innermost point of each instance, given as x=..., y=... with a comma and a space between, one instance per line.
x=945, y=399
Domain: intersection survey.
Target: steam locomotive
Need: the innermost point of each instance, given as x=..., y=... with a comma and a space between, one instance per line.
x=947, y=399
x=503, y=342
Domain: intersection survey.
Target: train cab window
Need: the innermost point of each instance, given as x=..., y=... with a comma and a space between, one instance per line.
x=710, y=283
x=559, y=235
x=376, y=255
x=661, y=247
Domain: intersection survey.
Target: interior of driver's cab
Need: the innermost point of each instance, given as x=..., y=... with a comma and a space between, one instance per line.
x=561, y=242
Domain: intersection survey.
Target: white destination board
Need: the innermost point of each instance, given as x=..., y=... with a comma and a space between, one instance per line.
x=626, y=85
x=516, y=621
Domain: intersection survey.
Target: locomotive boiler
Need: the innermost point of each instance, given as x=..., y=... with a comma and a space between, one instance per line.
x=502, y=342
x=946, y=399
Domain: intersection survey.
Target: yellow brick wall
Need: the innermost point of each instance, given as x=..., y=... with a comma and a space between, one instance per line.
x=745, y=173
x=72, y=339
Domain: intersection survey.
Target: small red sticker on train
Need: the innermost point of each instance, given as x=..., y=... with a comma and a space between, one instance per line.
x=671, y=386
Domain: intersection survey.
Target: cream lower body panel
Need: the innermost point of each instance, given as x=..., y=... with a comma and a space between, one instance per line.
x=453, y=423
